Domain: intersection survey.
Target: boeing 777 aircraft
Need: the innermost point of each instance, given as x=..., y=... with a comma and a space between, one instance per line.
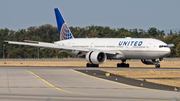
x=97, y=50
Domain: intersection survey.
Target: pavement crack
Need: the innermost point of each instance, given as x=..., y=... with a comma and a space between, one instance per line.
x=8, y=81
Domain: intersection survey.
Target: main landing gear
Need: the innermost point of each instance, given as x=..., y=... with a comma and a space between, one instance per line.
x=92, y=65
x=123, y=64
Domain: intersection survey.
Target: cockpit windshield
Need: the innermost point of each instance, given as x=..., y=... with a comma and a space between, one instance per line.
x=160, y=46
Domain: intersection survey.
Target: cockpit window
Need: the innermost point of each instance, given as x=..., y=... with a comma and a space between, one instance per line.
x=160, y=46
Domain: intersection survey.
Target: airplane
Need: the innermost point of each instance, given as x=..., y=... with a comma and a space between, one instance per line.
x=97, y=50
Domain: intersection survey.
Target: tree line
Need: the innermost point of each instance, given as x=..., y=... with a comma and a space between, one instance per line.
x=49, y=33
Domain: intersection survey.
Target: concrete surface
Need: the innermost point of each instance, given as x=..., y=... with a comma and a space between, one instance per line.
x=65, y=84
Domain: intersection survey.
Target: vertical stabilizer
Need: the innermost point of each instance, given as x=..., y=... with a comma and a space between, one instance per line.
x=64, y=32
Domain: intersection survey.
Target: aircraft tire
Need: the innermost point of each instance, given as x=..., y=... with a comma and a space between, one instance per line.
x=95, y=65
x=122, y=65
x=88, y=65
x=157, y=65
x=127, y=65
x=92, y=65
x=118, y=65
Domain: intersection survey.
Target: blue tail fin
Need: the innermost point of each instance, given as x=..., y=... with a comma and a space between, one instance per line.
x=64, y=32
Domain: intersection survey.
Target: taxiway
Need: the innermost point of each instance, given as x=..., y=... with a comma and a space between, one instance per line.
x=66, y=84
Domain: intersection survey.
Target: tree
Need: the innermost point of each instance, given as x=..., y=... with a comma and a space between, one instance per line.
x=153, y=32
x=48, y=33
x=178, y=50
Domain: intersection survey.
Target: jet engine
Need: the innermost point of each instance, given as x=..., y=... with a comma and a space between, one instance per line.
x=150, y=61
x=96, y=57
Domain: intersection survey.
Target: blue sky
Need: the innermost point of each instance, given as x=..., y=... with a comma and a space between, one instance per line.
x=129, y=14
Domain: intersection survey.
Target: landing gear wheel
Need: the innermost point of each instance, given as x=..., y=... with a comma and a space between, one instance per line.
x=122, y=65
x=157, y=65
x=88, y=65
x=119, y=65
x=95, y=65
x=127, y=65
x=92, y=65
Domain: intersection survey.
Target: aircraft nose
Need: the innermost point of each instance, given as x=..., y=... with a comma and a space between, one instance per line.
x=168, y=51
x=165, y=52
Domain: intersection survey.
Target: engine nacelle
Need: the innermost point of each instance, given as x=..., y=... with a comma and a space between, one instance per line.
x=96, y=57
x=150, y=61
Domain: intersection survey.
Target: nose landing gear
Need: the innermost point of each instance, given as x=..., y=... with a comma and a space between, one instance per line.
x=152, y=62
x=157, y=65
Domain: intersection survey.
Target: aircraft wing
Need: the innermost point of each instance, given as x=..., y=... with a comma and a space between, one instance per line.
x=58, y=47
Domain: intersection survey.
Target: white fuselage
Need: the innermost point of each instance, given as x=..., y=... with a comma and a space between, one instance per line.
x=127, y=48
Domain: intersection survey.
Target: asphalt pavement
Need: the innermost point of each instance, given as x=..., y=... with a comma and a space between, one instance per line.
x=67, y=84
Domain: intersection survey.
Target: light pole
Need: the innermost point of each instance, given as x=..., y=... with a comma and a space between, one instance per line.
x=3, y=50
x=38, y=53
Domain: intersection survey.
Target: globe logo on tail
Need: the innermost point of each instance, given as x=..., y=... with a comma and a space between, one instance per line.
x=65, y=32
